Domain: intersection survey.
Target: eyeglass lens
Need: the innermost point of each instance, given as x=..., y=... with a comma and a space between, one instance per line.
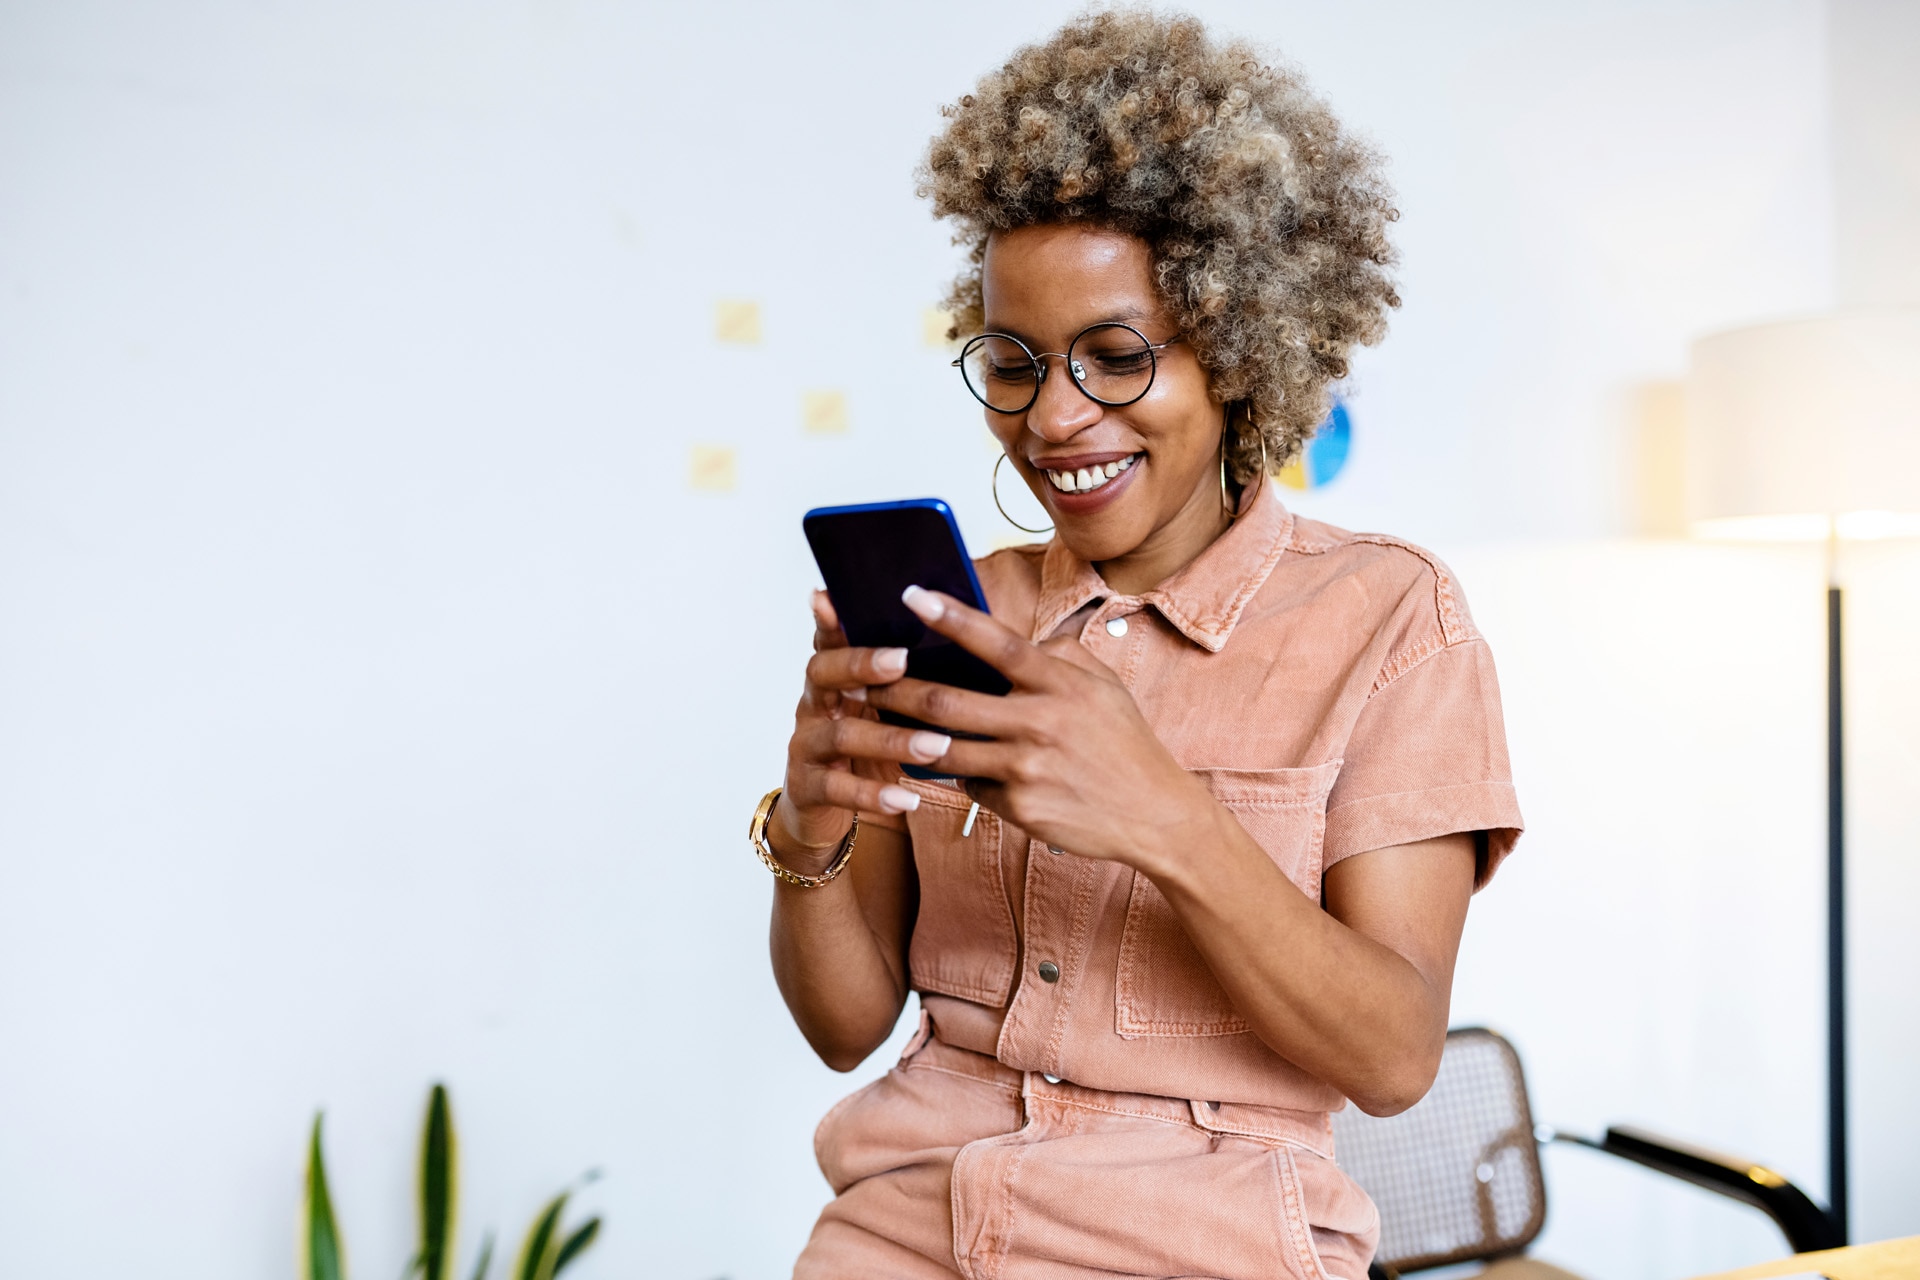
x=1111, y=363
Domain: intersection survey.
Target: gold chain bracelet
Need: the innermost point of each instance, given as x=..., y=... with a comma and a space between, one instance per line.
x=757, y=832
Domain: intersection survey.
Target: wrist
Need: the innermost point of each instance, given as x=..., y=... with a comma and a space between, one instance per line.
x=1177, y=847
x=796, y=853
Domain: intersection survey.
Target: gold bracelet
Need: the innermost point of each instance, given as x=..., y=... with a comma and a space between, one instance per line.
x=757, y=832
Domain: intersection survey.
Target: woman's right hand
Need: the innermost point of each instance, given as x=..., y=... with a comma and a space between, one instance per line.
x=841, y=758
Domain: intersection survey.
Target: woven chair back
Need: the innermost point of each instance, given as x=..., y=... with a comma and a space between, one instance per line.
x=1457, y=1175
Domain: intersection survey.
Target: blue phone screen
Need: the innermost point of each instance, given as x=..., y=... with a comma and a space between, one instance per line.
x=868, y=555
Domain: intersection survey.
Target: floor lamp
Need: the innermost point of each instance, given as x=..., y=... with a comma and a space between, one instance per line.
x=1809, y=430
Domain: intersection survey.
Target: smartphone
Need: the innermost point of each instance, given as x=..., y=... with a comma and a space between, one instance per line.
x=868, y=554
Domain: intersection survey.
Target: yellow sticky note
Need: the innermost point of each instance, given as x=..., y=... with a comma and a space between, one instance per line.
x=625, y=229
x=934, y=324
x=711, y=467
x=737, y=322
x=824, y=413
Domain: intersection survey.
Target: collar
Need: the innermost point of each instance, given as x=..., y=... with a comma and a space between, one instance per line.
x=1204, y=600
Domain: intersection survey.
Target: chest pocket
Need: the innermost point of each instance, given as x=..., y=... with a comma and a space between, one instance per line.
x=963, y=940
x=1163, y=987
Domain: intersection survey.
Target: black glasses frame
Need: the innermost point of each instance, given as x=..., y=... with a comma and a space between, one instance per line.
x=1074, y=367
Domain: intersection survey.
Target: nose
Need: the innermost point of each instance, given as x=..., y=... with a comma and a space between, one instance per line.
x=1061, y=410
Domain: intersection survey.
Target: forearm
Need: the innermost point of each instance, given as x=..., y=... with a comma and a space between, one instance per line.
x=1339, y=1004
x=842, y=978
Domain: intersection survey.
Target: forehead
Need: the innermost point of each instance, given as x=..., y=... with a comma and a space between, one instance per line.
x=1055, y=280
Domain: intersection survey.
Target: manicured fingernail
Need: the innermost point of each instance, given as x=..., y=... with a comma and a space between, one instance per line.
x=890, y=662
x=923, y=602
x=929, y=746
x=898, y=800
x=856, y=694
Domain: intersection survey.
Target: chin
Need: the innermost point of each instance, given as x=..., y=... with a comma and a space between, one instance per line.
x=1107, y=535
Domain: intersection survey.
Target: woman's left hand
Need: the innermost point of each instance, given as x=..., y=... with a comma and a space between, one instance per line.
x=1070, y=761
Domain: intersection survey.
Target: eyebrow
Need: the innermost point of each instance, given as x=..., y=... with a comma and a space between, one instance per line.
x=1126, y=315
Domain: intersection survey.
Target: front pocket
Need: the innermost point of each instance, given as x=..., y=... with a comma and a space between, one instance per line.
x=1304, y=1258
x=963, y=939
x=1332, y=1225
x=1163, y=986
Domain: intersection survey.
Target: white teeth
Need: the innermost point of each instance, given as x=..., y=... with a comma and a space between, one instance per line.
x=1088, y=478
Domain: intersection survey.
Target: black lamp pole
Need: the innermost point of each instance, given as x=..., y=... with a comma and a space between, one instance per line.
x=1836, y=927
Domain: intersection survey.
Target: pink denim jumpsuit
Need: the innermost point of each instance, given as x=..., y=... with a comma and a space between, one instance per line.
x=1082, y=1099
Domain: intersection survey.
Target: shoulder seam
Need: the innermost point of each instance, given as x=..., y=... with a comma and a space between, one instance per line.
x=1455, y=626
x=1413, y=656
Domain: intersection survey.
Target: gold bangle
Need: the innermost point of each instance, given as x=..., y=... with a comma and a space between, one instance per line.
x=757, y=833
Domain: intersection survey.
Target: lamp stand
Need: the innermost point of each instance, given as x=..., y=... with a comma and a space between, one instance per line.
x=1836, y=924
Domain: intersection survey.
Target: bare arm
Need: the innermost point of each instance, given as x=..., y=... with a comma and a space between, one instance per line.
x=1356, y=994
x=840, y=950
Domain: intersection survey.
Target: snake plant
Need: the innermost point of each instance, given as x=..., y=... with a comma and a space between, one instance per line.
x=544, y=1253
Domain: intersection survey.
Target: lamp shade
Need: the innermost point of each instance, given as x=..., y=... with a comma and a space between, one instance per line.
x=1807, y=425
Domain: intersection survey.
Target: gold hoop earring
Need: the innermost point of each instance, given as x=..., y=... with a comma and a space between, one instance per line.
x=995, y=486
x=1233, y=512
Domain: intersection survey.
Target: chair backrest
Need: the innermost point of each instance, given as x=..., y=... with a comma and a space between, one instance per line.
x=1457, y=1175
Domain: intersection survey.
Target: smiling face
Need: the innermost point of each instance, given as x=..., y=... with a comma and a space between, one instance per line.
x=1135, y=488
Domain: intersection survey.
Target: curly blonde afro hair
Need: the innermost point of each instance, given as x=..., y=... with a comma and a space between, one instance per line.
x=1267, y=224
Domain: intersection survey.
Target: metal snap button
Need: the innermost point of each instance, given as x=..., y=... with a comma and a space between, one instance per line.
x=1213, y=1106
x=1049, y=1079
x=1049, y=971
x=1116, y=627
x=1054, y=848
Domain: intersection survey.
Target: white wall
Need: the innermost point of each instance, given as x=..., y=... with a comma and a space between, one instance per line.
x=1656, y=948
x=1871, y=49
x=378, y=703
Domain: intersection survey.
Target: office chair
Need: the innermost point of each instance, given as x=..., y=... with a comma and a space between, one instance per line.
x=1457, y=1176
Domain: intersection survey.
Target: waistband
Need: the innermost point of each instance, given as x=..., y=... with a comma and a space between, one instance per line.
x=1311, y=1131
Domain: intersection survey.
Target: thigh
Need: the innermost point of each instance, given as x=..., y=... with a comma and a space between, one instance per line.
x=946, y=1167
x=888, y=1153
x=1108, y=1186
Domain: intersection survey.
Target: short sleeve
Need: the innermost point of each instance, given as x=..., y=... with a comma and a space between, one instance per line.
x=1428, y=758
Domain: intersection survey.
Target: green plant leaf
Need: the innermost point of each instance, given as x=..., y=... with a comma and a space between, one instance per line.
x=320, y=1254
x=538, y=1252
x=576, y=1244
x=486, y=1258
x=437, y=1189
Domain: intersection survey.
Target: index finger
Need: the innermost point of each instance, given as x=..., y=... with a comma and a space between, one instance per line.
x=826, y=623
x=983, y=636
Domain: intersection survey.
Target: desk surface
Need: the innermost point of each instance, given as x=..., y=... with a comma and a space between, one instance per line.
x=1887, y=1260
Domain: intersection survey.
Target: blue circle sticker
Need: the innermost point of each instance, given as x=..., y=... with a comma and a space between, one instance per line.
x=1324, y=454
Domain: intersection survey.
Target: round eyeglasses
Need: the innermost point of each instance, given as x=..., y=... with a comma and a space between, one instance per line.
x=1112, y=364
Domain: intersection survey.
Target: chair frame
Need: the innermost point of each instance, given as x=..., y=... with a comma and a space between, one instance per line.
x=1806, y=1224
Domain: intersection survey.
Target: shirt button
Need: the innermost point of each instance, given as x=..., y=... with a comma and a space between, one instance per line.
x=1055, y=849
x=1049, y=1079
x=1116, y=627
x=1049, y=971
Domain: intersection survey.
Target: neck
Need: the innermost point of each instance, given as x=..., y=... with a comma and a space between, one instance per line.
x=1171, y=547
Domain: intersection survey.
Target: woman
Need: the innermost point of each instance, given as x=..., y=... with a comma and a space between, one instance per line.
x=1209, y=873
